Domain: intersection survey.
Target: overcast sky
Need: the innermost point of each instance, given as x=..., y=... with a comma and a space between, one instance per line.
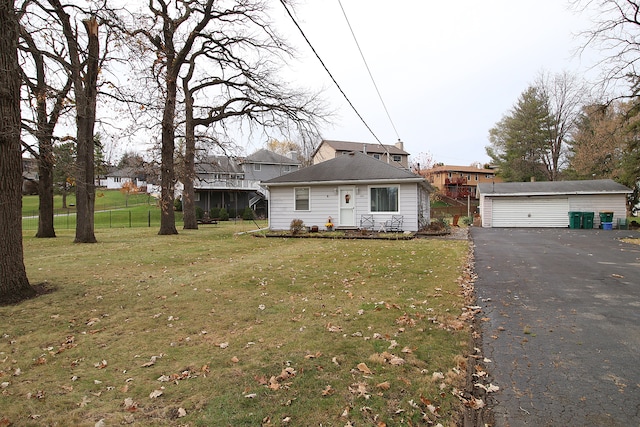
x=447, y=71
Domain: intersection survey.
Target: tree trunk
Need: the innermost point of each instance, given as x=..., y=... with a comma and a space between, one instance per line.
x=14, y=285
x=45, y=188
x=167, y=214
x=86, y=98
x=188, y=193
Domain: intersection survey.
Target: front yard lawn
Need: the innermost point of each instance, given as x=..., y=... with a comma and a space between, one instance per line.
x=211, y=328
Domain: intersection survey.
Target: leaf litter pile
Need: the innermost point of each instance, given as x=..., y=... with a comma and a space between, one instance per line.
x=208, y=328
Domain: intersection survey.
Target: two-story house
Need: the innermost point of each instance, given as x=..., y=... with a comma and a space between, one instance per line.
x=234, y=183
x=458, y=182
x=393, y=154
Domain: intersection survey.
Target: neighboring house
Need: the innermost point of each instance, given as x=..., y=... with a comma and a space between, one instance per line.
x=116, y=178
x=347, y=188
x=458, y=182
x=30, y=176
x=234, y=184
x=547, y=204
x=394, y=154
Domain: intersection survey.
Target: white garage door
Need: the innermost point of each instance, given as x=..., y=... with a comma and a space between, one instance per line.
x=530, y=212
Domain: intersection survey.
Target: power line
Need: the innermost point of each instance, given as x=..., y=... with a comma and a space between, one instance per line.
x=369, y=70
x=331, y=75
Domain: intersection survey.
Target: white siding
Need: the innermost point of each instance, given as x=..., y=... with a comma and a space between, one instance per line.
x=547, y=211
x=530, y=212
x=486, y=205
x=616, y=203
x=324, y=203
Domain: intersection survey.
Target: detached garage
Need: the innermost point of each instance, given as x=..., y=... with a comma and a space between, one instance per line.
x=547, y=204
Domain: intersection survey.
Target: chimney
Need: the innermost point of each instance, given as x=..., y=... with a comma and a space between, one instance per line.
x=400, y=144
x=293, y=155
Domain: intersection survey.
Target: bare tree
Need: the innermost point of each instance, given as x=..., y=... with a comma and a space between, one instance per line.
x=565, y=94
x=225, y=52
x=83, y=72
x=615, y=34
x=43, y=56
x=14, y=285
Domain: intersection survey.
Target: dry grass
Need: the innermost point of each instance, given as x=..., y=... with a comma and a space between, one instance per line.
x=210, y=328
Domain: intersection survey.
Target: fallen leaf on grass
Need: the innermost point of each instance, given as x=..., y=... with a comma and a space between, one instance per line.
x=130, y=405
x=150, y=362
x=328, y=391
x=101, y=365
x=384, y=386
x=182, y=412
x=313, y=356
x=85, y=401
x=360, y=390
x=362, y=367
x=333, y=328
x=234, y=359
x=273, y=383
x=155, y=394
x=395, y=360
x=437, y=376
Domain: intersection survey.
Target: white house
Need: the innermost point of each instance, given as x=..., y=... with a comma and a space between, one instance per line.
x=547, y=204
x=116, y=178
x=349, y=188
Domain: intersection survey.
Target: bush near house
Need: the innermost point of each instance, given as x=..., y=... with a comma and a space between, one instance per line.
x=223, y=214
x=247, y=215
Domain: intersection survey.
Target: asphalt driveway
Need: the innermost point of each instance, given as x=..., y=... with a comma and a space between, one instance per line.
x=561, y=325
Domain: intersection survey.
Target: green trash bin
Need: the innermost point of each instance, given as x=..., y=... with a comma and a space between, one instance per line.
x=623, y=224
x=574, y=219
x=587, y=220
x=606, y=217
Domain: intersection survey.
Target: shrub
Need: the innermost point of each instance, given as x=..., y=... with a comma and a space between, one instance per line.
x=214, y=213
x=467, y=220
x=297, y=225
x=232, y=213
x=223, y=215
x=247, y=215
x=199, y=212
x=177, y=204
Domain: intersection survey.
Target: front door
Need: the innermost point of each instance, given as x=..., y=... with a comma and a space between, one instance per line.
x=347, y=207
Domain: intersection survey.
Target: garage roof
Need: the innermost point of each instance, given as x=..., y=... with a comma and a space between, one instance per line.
x=596, y=186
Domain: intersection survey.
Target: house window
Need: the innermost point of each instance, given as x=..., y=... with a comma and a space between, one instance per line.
x=301, y=198
x=196, y=197
x=287, y=168
x=397, y=158
x=116, y=179
x=257, y=166
x=384, y=199
x=376, y=156
x=476, y=177
x=449, y=174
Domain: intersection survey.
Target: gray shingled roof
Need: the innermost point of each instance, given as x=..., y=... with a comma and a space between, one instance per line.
x=596, y=186
x=360, y=146
x=220, y=164
x=269, y=157
x=350, y=167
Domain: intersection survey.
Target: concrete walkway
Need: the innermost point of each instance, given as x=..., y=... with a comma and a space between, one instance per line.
x=561, y=325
